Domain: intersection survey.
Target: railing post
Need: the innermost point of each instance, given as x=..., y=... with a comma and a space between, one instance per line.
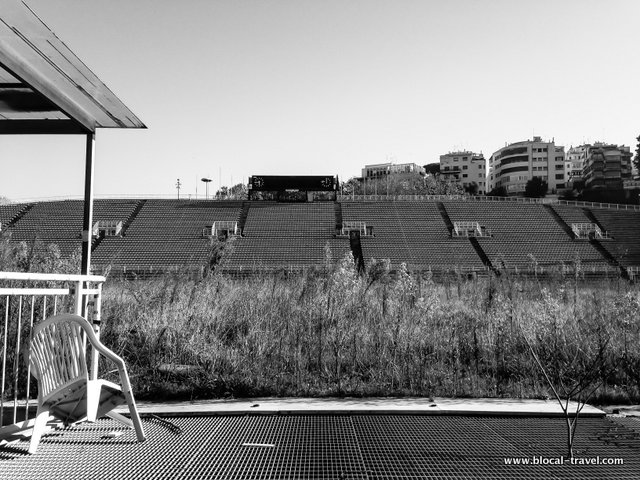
x=78, y=298
x=97, y=318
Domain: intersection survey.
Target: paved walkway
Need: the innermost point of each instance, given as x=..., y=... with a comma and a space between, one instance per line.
x=405, y=406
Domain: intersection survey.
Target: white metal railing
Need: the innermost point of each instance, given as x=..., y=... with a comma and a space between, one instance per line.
x=222, y=226
x=129, y=196
x=466, y=229
x=357, y=198
x=361, y=227
x=25, y=300
x=584, y=230
x=110, y=228
x=469, y=229
x=483, y=198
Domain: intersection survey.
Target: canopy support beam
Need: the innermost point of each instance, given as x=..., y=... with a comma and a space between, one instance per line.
x=41, y=127
x=87, y=222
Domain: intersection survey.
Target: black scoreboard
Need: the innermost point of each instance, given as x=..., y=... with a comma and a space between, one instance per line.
x=281, y=183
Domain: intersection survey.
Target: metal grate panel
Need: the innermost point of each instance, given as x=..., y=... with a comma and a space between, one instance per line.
x=280, y=447
x=434, y=447
x=326, y=447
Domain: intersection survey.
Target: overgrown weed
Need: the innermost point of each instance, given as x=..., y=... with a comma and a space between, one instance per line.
x=337, y=332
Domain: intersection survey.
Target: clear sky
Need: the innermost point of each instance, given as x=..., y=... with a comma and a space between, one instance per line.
x=231, y=88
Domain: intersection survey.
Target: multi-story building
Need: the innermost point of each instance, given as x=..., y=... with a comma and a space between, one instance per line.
x=381, y=170
x=514, y=165
x=466, y=168
x=606, y=166
x=574, y=163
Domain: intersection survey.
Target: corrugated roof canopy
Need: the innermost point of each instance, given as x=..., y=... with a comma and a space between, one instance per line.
x=44, y=87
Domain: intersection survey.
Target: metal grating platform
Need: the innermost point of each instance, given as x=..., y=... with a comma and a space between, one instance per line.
x=325, y=447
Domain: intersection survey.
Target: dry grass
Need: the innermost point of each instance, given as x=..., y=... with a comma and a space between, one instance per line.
x=335, y=332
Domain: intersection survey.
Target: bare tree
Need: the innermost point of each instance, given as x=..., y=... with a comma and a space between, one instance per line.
x=573, y=354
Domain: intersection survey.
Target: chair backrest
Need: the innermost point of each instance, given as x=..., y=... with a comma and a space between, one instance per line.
x=58, y=354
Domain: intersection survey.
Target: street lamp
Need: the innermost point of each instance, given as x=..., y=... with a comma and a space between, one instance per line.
x=206, y=184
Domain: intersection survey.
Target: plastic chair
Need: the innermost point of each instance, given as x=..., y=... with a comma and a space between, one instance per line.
x=58, y=362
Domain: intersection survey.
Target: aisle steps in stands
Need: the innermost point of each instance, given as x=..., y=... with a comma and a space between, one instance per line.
x=560, y=221
x=445, y=216
x=242, y=218
x=19, y=214
x=610, y=258
x=132, y=217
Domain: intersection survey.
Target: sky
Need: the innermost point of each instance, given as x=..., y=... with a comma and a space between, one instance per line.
x=232, y=88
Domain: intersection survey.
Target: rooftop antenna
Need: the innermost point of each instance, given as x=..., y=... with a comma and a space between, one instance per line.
x=178, y=185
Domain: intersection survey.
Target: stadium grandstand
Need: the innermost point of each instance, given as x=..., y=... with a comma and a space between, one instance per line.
x=142, y=237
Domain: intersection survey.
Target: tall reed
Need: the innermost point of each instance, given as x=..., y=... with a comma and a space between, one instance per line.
x=334, y=331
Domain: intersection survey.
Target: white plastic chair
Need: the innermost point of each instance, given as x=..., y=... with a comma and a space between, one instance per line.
x=58, y=362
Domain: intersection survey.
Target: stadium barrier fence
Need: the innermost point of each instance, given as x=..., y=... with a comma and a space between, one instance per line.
x=466, y=198
x=358, y=198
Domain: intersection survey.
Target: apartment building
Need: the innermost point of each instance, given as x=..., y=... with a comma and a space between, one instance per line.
x=381, y=170
x=606, y=166
x=466, y=168
x=574, y=163
x=515, y=164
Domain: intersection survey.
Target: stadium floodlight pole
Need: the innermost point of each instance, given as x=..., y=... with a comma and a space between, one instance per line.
x=206, y=184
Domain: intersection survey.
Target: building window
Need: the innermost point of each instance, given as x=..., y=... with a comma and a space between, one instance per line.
x=465, y=167
x=559, y=176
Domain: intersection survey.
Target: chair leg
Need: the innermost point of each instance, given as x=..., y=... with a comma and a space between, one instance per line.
x=38, y=428
x=120, y=418
x=94, y=389
x=135, y=418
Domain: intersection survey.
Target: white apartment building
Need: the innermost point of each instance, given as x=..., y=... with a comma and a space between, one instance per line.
x=574, y=162
x=465, y=167
x=514, y=165
x=380, y=170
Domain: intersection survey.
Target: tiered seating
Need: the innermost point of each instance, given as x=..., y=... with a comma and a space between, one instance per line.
x=60, y=223
x=522, y=231
x=624, y=227
x=428, y=238
x=571, y=214
x=7, y=212
x=409, y=232
x=164, y=234
x=278, y=235
x=388, y=240
x=167, y=234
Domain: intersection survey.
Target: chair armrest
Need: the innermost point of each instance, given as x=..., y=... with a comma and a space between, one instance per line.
x=95, y=343
x=93, y=339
